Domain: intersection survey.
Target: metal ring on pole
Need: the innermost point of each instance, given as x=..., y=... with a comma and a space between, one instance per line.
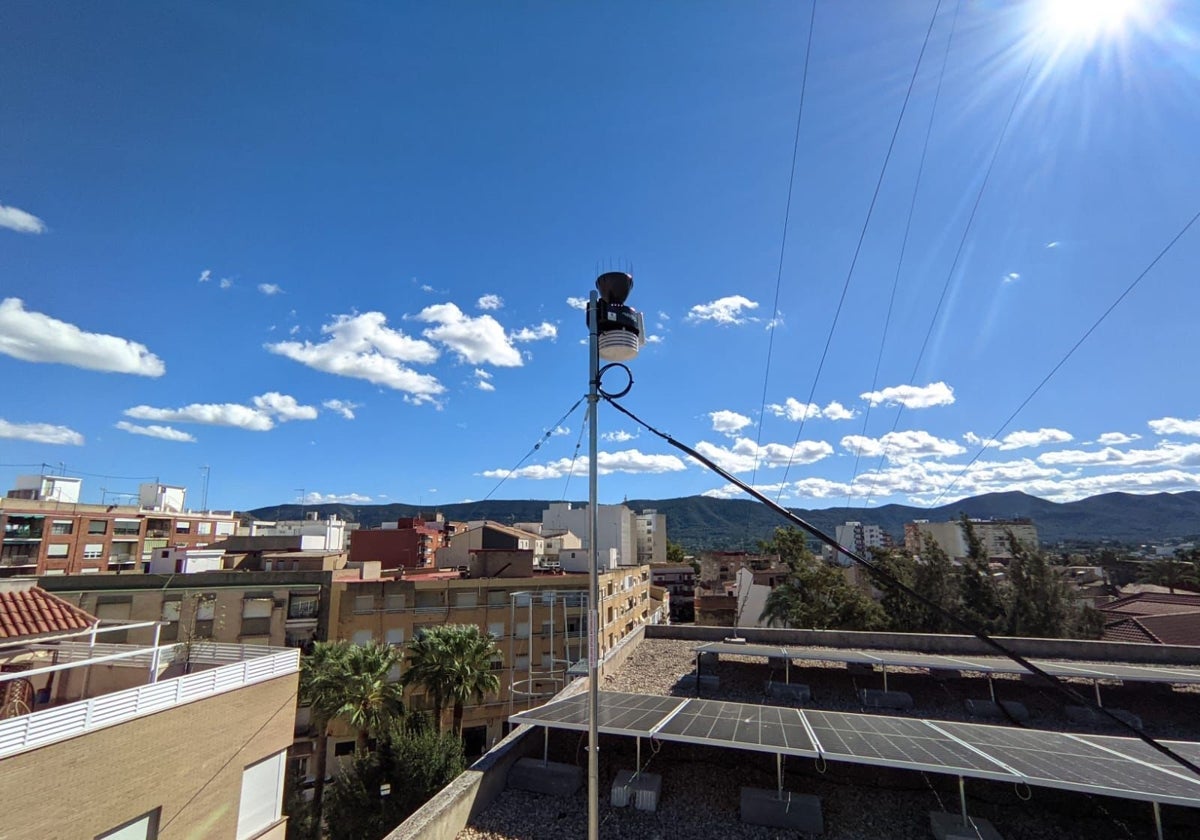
x=628, y=386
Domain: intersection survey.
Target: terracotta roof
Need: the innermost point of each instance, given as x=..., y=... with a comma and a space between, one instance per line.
x=1181, y=628
x=1154, y=603
x=35, y=612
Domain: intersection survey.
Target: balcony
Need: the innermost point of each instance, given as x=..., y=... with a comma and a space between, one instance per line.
x=212, y=669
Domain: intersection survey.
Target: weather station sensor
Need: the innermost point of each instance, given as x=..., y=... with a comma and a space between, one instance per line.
x=622, y=332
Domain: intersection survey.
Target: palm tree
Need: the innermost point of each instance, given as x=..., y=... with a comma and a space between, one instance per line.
x=322, y=675
x=370, y=698
x=452, y=663
x=1170, y=572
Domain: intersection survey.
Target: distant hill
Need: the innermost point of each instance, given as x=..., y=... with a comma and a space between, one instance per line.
x=699, y=522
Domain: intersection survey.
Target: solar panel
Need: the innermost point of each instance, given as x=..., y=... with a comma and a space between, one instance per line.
x=770, y=729
x=620, y=714
x=818, y=654
x=898, y=742
x=1069, y=762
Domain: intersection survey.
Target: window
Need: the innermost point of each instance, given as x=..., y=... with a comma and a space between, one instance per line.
x=496, y=629
x=127, y=528
x=255, y=627
x=466, y=599
x=497, y=598
x=522, y=663
x=394, y=636
x=97, y=526
x=226, y=529
x=304, y=606
x=183, y=527
x=204, y=528
x=61, y=527
x=144, y=827
x=257, y=607
x=262, y=795
x=343, y=748
x=547, y=661
x=362, y=637
x=170, y=610
x=364, y=603
x=394, y=603
x=206, y=608
x=497, y=664
x=93, y=551
x=57, y=550
x=522, y=630
x=547, y=627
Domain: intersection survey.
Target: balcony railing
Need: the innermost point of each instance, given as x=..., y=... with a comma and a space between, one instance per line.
x=247, y=664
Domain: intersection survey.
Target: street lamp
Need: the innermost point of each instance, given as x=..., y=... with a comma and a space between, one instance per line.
x=616, y=333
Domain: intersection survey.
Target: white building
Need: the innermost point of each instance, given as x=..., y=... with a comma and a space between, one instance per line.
x=47, y=488
x=330, y=535
x=164, y=497
x=186, y=561
x=860, y=537
x=651, y=537
x=616, y=527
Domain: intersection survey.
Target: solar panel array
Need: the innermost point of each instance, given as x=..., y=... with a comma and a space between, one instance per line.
x=1121, y=767
x=965, y=662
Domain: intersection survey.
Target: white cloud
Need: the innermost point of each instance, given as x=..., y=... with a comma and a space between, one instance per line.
x=342, y=407
x=541, y=331
x=577, y=303
x=902, y=446
x=478, y=340
x=484, y=385
x=364, y=347
x=225, y=283
x=490, y=302
x=270, y=289
x=40, y=433
x=654, y=339
x=728, y=422
x=294, y=329
x=336, y=499
x=559, y=431
x=34, y=337
x=1053, y=244
x=259, y=418
x=795, y=410
x=912, y=396
x=1165, y=454
x=627, y=461
x=744, y=454
x=1175, y=426
x=1116, y=438
x=206, y=275
x=1020, y=440
x=726, y=310
x=16, y=219
x=160, y=432
x=1011, y=277
x=619, y=436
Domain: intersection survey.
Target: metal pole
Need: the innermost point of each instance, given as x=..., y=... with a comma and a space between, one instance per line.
x=545, y=745
x=638, y=769
x=1158, y=820
x=593, y=570
x=992, y=688
x=885, y=688
x=154, y=658
x=962, y=798
x=779, y=773
x=1096, y=687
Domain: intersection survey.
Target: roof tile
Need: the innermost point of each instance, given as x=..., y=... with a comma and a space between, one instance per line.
x=36, y=612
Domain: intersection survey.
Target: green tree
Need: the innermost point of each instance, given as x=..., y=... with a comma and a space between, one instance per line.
x=980, y=594
x=675, y=552
x=415, y=763
x=371, y=698
x=1171, y=572
x=936, y=580
x=453, y=664
x=1039, y=600
x=321, y=674
x=814, y=594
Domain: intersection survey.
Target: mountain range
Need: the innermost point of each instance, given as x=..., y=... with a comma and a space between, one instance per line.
x=700, y=522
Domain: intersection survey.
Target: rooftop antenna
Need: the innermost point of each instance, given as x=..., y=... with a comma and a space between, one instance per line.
x=204, y=491
x=303, y=497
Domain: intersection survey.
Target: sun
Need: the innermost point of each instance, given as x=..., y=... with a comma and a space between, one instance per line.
x=1086, y=22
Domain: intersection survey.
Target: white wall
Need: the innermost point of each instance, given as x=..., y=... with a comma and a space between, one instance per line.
x=615, y=526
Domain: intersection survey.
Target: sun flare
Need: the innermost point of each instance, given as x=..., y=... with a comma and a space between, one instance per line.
x=1085, y=22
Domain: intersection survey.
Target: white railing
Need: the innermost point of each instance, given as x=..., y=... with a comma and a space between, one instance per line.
x=38, y=729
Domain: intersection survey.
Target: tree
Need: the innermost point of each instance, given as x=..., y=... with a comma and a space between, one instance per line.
x=814, y=594
x=415, y=762
x=982, y=600
x=453, y=663
x=321, y=675
x=1171, y=572
x=675, y=553
x=935, y=579
x=1039, y=600
x=371, y=698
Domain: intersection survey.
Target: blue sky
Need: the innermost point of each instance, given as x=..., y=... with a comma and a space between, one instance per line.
x=334, y=247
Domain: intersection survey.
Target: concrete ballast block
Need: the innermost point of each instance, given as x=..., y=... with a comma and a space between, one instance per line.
x=643, y=789
x=991, y=709
x=551, y=777
x=795, y=692
x=950, y=827
x=873, y=698
x=794, y=811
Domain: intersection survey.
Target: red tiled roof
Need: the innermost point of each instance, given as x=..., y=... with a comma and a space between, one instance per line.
x=36, y=612
x=1181, y=628
x=1128, y=630
x=1154, y=603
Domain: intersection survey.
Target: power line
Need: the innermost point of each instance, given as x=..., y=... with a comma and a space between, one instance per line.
x=884, y=578
x=903, y=250
x=545, y=436
x=858, y=248
x=1087, y=333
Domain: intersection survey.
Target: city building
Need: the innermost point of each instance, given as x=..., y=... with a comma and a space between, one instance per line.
x=616, y=529
x=143, y=741
x=680, y=580
x=408, y=543
x=859, y=536
x=53, y=536
x=329, y=535
x=488, y=536
x=651, y=531
x=951, y=537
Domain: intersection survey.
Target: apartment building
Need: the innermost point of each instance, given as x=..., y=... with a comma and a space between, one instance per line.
x=54, y=535
x=489, y=536
x=616, y=529
x=859, y=536
x=407, y=543
x=538, y=622
x=951, y=537
x=140, y=742
x=650, y=528
x=680, y=580
x=332, y=534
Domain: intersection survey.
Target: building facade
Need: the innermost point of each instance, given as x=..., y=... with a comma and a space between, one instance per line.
x=651, y=530
x=951, y=537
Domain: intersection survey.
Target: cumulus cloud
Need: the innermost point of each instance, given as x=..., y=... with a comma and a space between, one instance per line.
x=1165, y=454
x=726, y=310
x=577, y=303
x=628, y=461
x=1175, y=426
x=40, y=433
x=1053, y=244
x=654, y=339
x=1011, y=277
x=225, y=283
x=475, y=340
x=160, y=432
x=912, y=396
x=560, y=431
x=17, y=219
x=342, y=407
x=745, y=454
x=205, y=275
x=336, y=499
x=490, y=302
x=1020, y=440
x=365, y=347
x=794, y=410
x=270, y=289
x=1117, y=438
x=541, y=331
x=260, y=417
x=902, y=446
x=619, y=436
x=728, y=422
x=34, y=337
x=483, y=380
